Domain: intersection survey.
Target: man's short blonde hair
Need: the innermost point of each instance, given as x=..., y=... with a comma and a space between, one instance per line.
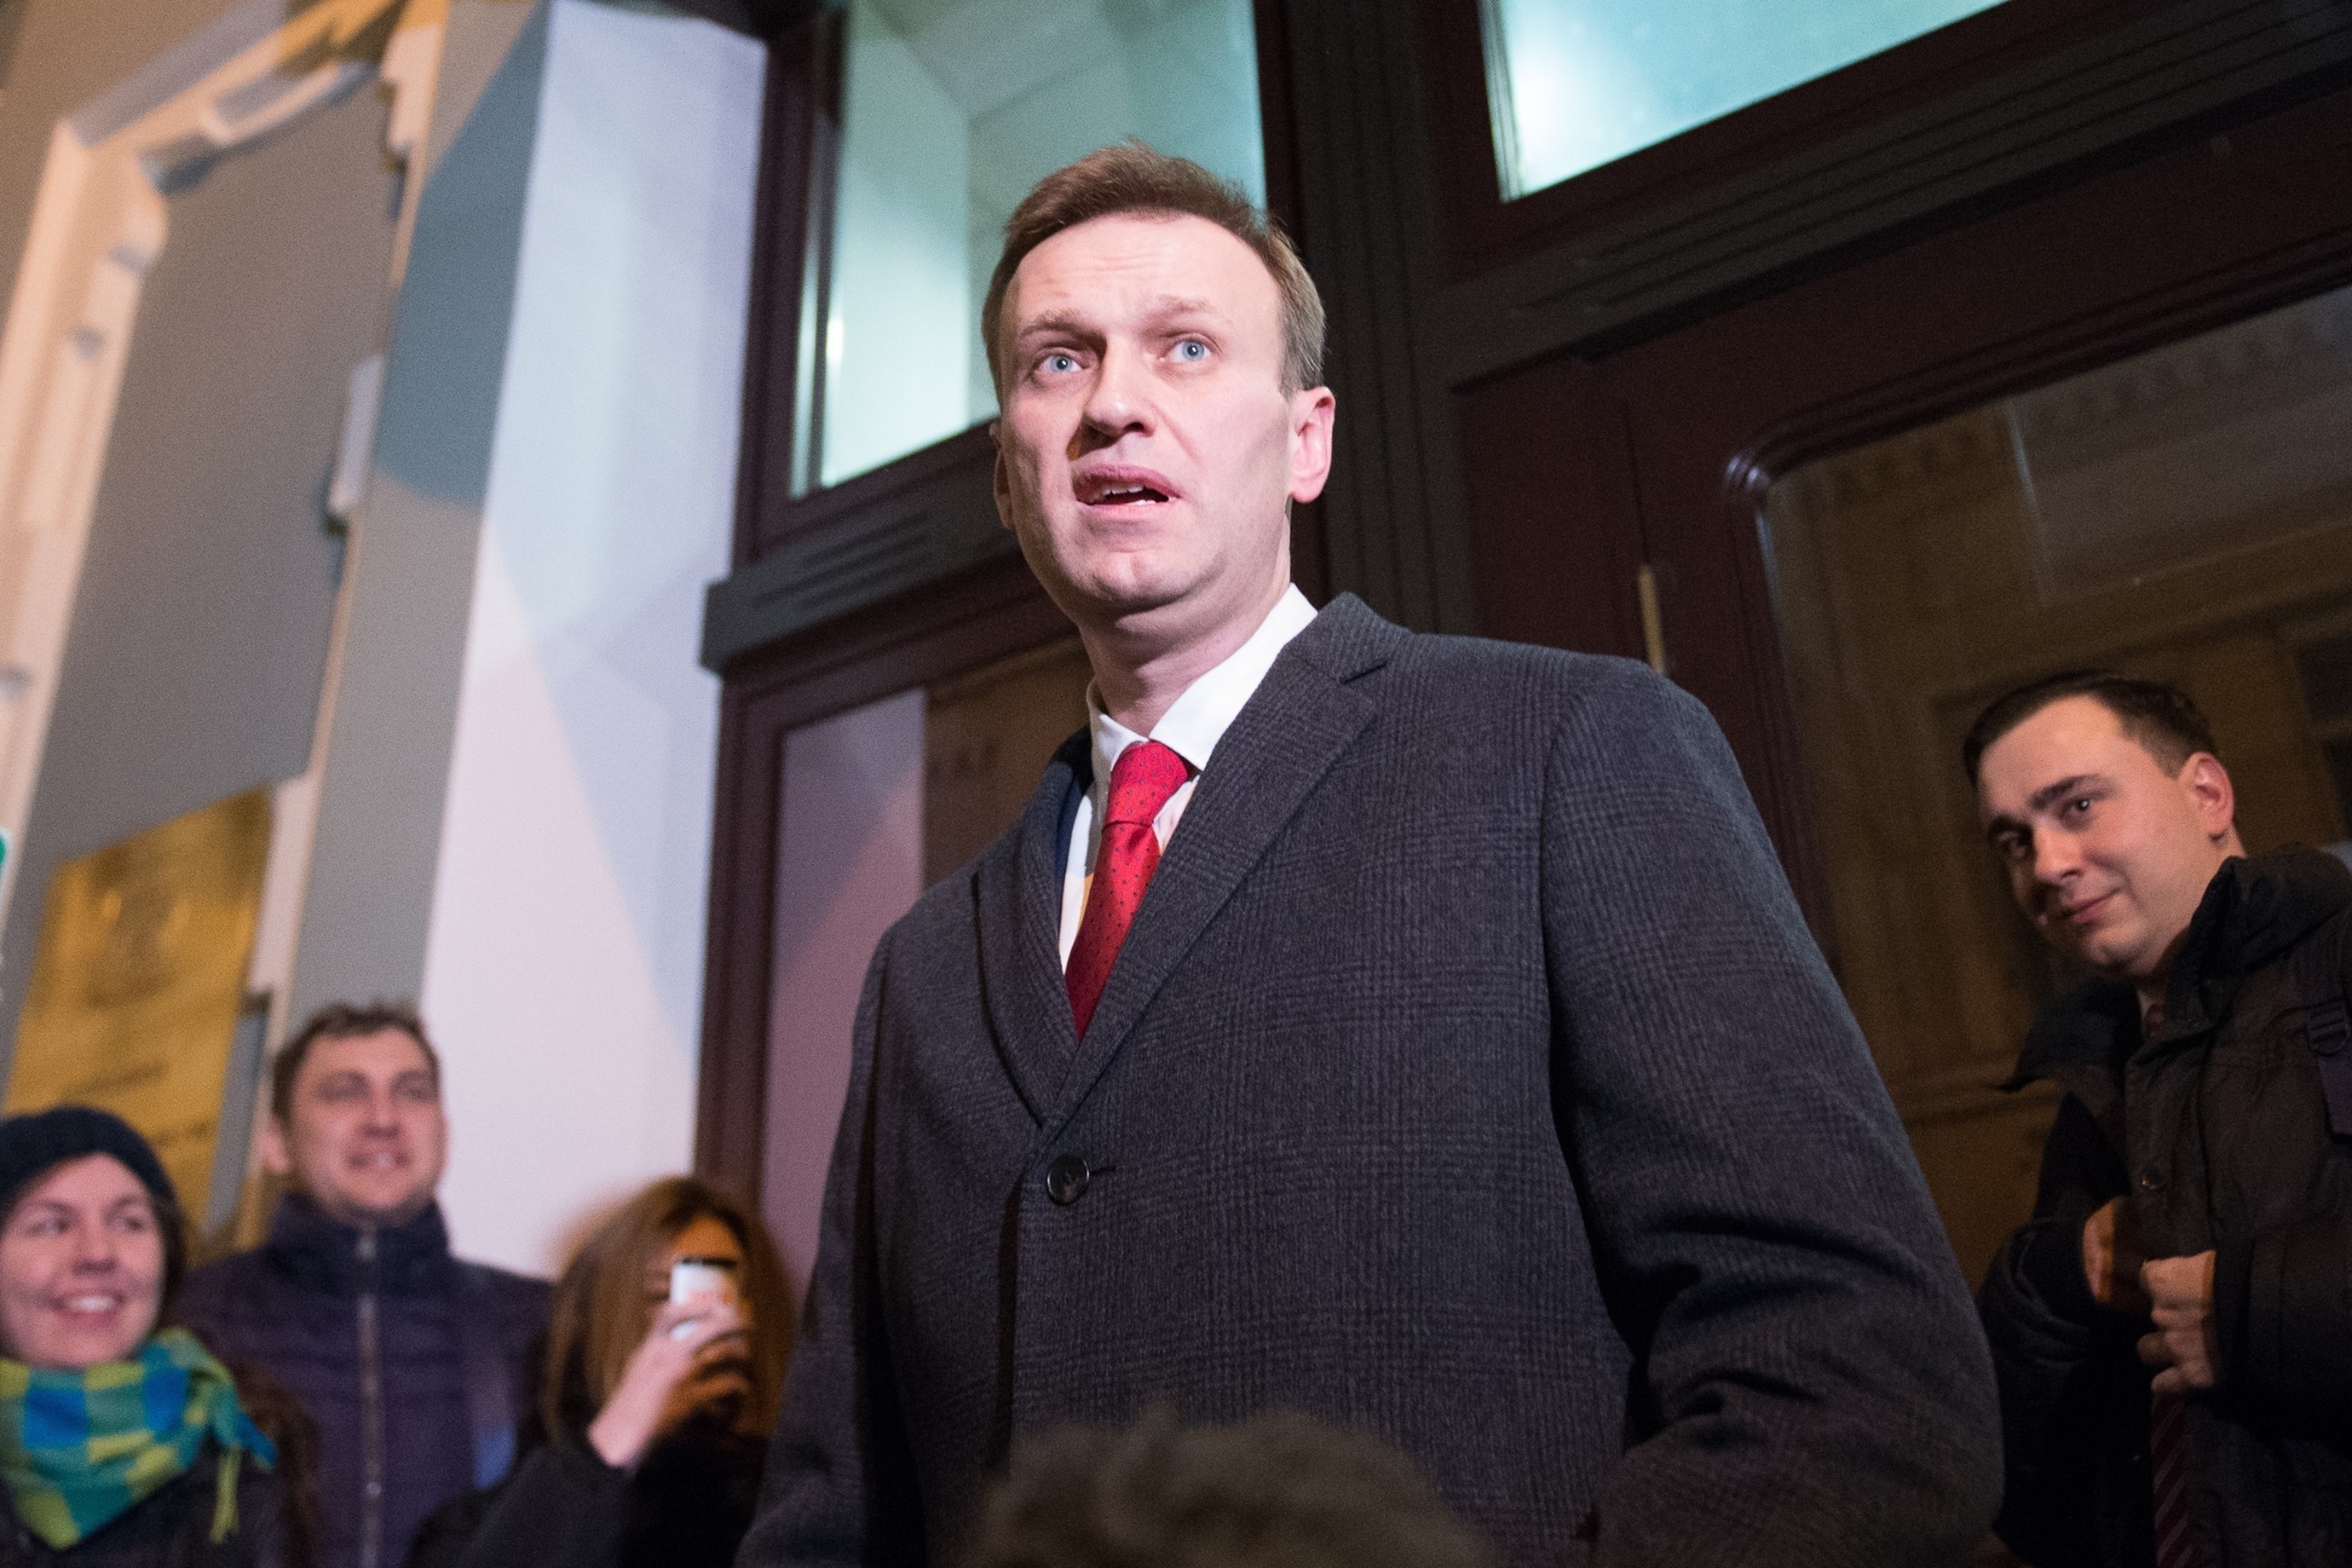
x=1131, y=178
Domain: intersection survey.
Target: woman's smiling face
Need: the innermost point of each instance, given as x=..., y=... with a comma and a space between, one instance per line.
x=81, y=1266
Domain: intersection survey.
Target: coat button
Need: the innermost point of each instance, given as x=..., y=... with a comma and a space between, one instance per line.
x=1067, y=1179
x=2152, y=1178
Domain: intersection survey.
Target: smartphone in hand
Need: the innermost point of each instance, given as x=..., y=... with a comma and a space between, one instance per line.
x=693, y=1277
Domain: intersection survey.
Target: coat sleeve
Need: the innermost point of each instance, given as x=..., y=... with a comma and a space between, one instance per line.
x=2059, y=1357
x=839, y=1486
x=562, y=1507
x=2282, y=1315
x=1810, y=1385
x=2282, y=1297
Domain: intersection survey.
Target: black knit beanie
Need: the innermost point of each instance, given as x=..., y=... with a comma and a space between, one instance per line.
x=32, y=1145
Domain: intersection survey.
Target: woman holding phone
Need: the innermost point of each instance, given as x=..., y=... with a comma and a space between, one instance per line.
x=666, y=1343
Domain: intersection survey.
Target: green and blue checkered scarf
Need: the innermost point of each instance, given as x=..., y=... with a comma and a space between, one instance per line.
x=78, y=1449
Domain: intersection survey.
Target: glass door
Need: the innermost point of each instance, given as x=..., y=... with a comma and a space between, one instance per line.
x=2184, y=514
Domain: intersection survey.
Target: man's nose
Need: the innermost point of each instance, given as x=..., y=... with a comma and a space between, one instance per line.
x=1119, y=400
x=2056, y=855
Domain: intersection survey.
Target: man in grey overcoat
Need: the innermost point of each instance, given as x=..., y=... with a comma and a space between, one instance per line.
x=1414, y=1031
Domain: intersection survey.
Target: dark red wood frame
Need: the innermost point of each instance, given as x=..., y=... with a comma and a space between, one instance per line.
x=1483, y=231
x=1569, y=474
x=915, y=639
x=1667, y=446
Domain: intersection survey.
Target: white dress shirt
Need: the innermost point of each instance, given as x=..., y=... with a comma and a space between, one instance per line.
x=1190, y=728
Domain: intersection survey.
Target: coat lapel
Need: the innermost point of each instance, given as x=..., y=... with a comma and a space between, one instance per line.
x=1019, y=896
x=1301, y=719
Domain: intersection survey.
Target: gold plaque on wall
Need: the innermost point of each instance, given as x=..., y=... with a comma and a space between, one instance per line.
x=140, y=979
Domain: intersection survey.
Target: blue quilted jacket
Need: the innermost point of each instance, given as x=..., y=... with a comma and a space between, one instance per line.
x=414, y=1366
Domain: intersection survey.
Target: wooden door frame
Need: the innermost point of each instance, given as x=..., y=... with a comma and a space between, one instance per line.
x=1372, y=147
x=2074, y=280
x=840, y=597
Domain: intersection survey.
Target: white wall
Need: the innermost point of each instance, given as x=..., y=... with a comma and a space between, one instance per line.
x=564, y=964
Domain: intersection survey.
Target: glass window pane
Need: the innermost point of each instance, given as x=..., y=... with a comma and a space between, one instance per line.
x=2184, y=514
x=952, y=110
x=1574, y=84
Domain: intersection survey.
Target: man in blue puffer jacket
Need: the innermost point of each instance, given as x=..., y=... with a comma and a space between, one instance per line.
x=414, y=1365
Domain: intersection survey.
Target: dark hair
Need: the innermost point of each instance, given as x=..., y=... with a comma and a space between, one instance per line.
x=598, y=1315
x=2166, y=725
x=1280, y=1491
x=343, y=1021
x=1132, y=178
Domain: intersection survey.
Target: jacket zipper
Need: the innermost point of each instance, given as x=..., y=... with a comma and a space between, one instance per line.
x=371, y=1411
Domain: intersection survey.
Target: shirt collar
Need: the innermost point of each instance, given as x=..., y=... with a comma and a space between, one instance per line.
x=1199, y=719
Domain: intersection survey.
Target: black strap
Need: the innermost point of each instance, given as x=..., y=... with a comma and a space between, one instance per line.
x=490, y=1388
x=2320, y=976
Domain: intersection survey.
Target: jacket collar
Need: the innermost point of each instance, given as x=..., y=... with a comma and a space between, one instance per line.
x=1304, y=715
x=2253, y=912
x=321, y=1253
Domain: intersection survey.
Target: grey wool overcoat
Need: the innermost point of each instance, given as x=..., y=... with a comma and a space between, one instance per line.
x=1468, y=1077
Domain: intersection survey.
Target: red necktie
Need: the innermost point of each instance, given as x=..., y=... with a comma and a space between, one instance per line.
x=2167, y=1444
x=1146, y=775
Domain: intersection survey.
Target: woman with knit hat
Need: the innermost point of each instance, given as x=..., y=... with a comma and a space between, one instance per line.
x=120, y=1446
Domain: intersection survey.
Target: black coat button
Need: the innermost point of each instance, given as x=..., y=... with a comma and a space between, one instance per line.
x=1067, y=1179
x=2152, y=1178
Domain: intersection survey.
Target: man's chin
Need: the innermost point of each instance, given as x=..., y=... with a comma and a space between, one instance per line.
x=1123, y=602
x=378, y=1210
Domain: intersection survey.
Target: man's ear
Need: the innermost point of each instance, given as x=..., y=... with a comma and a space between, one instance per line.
x=277, y=1153
x=1001, y=483
x=1312, y=414
x=2211, y=794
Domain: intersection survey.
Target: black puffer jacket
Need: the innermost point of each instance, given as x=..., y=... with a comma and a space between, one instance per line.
x=172, y=1528
x=2216, y=1132
x=390, y=1344
x=688, y=1506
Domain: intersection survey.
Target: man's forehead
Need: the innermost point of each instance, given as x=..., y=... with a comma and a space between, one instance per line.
x=1140, y=262
x=391, y=1050
x=2069, y=726
x=2074, y=736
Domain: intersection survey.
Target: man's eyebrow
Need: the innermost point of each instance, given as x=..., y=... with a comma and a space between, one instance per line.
x=1071, y=323
x=2050, y=794
x=2002, y=827
x=1055, y=322
x=1181, y=305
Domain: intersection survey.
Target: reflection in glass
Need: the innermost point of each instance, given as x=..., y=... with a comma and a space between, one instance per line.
x=1573, y=84
x=952, y=110
x=2185, y=514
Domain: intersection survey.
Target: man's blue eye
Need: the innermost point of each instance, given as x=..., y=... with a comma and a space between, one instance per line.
x=1060, y=361
x=1192, y=349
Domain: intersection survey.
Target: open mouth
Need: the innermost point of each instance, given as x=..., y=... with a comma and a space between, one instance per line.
x=1123, y=487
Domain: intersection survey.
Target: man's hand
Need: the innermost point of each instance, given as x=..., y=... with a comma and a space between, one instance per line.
x=2111, y=1263
x=2180, y=1301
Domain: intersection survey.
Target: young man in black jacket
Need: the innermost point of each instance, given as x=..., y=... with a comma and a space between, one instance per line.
x=2173, y=1329
x=412, y=1364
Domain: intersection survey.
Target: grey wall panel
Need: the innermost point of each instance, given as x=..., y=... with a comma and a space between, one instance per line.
x=201, y=624
x=62, y=57
x=369, y=899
